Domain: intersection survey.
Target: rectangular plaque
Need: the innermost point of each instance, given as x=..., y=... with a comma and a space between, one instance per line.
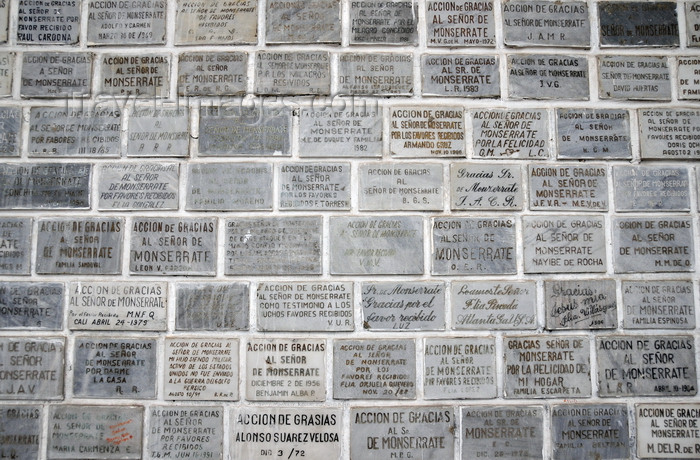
x=568, y=188
x=460, y=24
x=511, y=134
x=15, y=245
x=688, y=82
x=638, y=24
x=32, y=368
x=354, y=129
x=391, y=306
x=199, y=429
x=480, y=186
x=7, y=60
x=460, y=368
x=679, y=437
x=128, y=23
x=539, y=23
x=580, y=304
x=21, y=431
x=212, y=306
x=634, y=77
x=400, y=187
x=209, y=22
x=460, y=75
x=491, y=305
x=654, y=304
x=135, y=75
x=375, y=74
x=322, y=186
x=504, y=432
x=590, y=431
x=31, y=305
x=651, y=188
x=593, y=134
x=229, y=187
x=292, y=72
x=212, y=74
x=44, y=22
x=419, y=131
x=10, y=125
x=132, y=187
x=551, y=76
x=303, y=22
x=4, y=21
x=158, y=132
x=379, y=22
x=45, y=185
x=669, y=134
x=692, y=24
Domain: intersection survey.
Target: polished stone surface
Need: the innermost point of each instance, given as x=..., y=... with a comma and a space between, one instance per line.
x=593, y=134
x=212, y=74
x=158, y=132
x=653, y=304
x=398, y=187
x=503, y=134
x=573, y=428
x=568, y=188
x=638, y=24
x=539, y=23
x=15, y=245
x=200, y=22
x=420, y=131
x=28, y=305
x=668, y=142
x=137, y=187
x=302, y=22
x=580, y=304
x=390, y=306
x=353, y=128
x=644, y=78
x=33, y=368
x=200, y=428
x=494, y=305
x=295, y=73
x=212, y=306
x=228, y=187
x=375, y=74
x=520, y=435
x=548, y=76
x=460, y=368
x=651, y=188
x=486, y=186
x=460, y=24
x=314, y=186
x=126, y=23
x=460, y=75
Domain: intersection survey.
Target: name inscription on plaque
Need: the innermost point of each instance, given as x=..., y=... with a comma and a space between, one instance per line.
x=481, y=186
x=504, y=432
x=634, y=77
x=43, y=22
x=353, y=130
x=569, y=188
x=135, y=75
x=199, y=429
x=590, y=431
x=654, y=304
x=32, y=368
x=314, y=186
x=460, y=75
x=580, y=304
x=376, y=21
x=539, y=76
x=681, y=420
x=202, y=22
x=537, y=23
x=669, y=134
x=427, y=132
x=510, y=133
x=212, y=74
x=375, y=74
x=158, y=132
x=460, y=23
x=292, y=73
x=490, y=305
x=127, y=23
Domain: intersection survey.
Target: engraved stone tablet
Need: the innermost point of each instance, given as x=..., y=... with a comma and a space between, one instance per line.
x=44, y=22
x=400, y=187
x=460, y=24
x=692, y=24
x=375, y=74
x=379, y=245
x=323, y=186
x=117, y=306
x=568, y=188
x=457, y=368
x=15, y=245
x=21, y=431
x=135, y=75
x=201, y=369
x=653, y=442
x=88, y=246
x=646, y=365
x=212, y=74
x=590, y=431
x=634, y=77
x=161, y=132
x=419, y=131
x=490, y=305
x=374, y=369
x=473, y=246
x=143, y=186
x=199, y=428
x=539, y=23
x=547, y=367
x=346, y=131
x=31, y=305
x=390, y=23
x=229, y=187
x=564, y=244
x=7, y=61
x=208, y=22
x=580, y=304
x=480, y=186
x=56, y=75
x=4, y=20
x=10, y=121
x=638, y=24
x=642, y=245
x=286, y=370
x=651, y=188
x=106, y=367
x=303, y=22
x=212, y=306
x=669, y=134
x=518, y=433
x=688, y=82
x=173, y=246
x=653, y=304
x=460, y=75
x=292, y=72
x=393, y=306
x=45, y=185
x=31, y=368
x=126, y=23
x=273, y=246
x=593, y=134
x=540, y=76
x=516, y=134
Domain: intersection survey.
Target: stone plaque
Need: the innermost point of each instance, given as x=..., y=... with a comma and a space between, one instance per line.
x=540, y=23
x=10, y=125
x=143, y=75
x=539, y=76
x=511, y=133
x=593, y=134
x=374, y=369
x=547, y=367
x=107, y=367
x=142, y=186
x=212, y=306
x=346, y=131
x=580, y=304
x=504, y=432
x=87, y=246
x=568, y=188
x=161, y=132
x=375, y=74
x=679, y=437
x=45, y=185
x=31, y=368
x=379, y=22
x=376, y=245
x=173, y=246
x=300, y=306
x=302, y=22
x=4, y=20
x=491, y=305
x=208, y=22
x=400, y=187
x=392, y=306
x=7, y=61
x=692, y=24
x=419, y=131
x=656, y=304
x=479, y=186
x=646, y=365
x=688, y=82
x=669, y=134
x=128, y=23
x=215, y=377
x=21, y=431
x=212, y=74
x=638, y=24
x=644, y=78
x=199, y=429
x=457, y=368
x=460, y=24
x=286, y=370
x=460, y=75
x=293, y=73
x=642, y=245
x=473, y=246
x=15, y=245
x=590, y=431
x=118, y=306
x=229, y=187
x=43, y=22
x=564, y=244
x=651, y=188
x=56, y=75
x=26, y=305
x=314, y=186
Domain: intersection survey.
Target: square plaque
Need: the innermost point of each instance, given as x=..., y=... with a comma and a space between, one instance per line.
x=379, y=22
x=209, y=22
x=653, y=442
x=460, y=75
x=158, y=132
x=142, y=75
x=126, y=23
x=21, y=430
x=580, y=304
x=593, y=134
x=15, y=245
x=492, y=305
x=303, y=22
x=390, y=306
x=460, y=368
x=354, y=129
x=643, y=78
x=460, y=24
x=665, y=134
x=651, y=188
x=212, y=74
x=511, y=134
x=688, y=82
x=551, y=76
x=638, y=24
x=539, y=23
x=294, y=73
x=10, y=125
x=568, y=188
x=590, y=431
x=481, y=186
x=654, y=304
x=32, y=368
x=45, y=185
x=56, y=75
x=132, y=187
x=212, y=306
x=692, y=24
x=43, y=22
x=314, y=186
x=229, y=187
x=375, y=74
x=420, y=131
x=7, y=61
x=503, y=432
x=26, y=305
x=199, y=429
x=400, y=187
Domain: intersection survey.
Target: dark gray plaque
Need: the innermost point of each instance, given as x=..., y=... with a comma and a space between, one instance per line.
x=322, y=186
x=210, y=22
x=642, y=245
x=56, y=75
x=540, y=76
x=391, y=306
x=45, y=22
x=374, y=369
x=375, y=74
x=7, y=61
x=21, y=431
x=511, y=134
x=158, y=132
x=638, y=24
x=692, y=24
x=31, y=305
x=503, y=432
x=634, y=77
x=10, y=122
x=143, y=186
x=15, y=245
x=646, y=365
x=32, y=368
x=564, y=244
x=419, y=131
x=212, y=306
x=302, y=22
x=400, y=187
x=45, y=185
x=229, y=187
x=376, y=245
x=354, y=129
x=669, y=134
x=473, y=246
x=292, y=72
x=580, y=304
x=654, y=304
x=593, y=134
x=212, y=74
x=651, y=188
x=273, y=246
x=654, y=442
x=539, y=23
x=199, y=429
x=132, y=75
x=568, y=188
x=460, y=24
x=479, y=186
x=126, y=23
x=389, y=23
x=460, y=75
x=547, y=367
x=688, y=82
x=491, y=305
x=460, y=368
x=590, y=431
x=87, y=246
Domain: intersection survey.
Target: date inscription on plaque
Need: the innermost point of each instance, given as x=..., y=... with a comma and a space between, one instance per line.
x=427, y=132
x=580, y=304
x=352, y=130
x=199, y=429
x=447, y=27
x=202, y=23
x=460, y=75
x=664, y=134
x=518, y=435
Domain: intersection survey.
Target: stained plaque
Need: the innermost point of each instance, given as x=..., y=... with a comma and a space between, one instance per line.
x=207, y=22
x=56, y=75
x=654, y=304
x=651, y=188
x=142, y=186
x=590, y=431
x=4, y=21
x=692, y=24
x=212, y=306
x=31, y=305
x=638, y=24
x=302, y=22
x=394, y=306
x=199, y=429
x=32, y=368
x=42, y=22
x=229, y=187
x=127, y=23
x=552, y=76
x=45, y=185
x=511, y=134
x=145, y=75
x=10, y=123
x=212, y=74
x=460, y=75
x=460, y=24
x=481, y=186
x=7, y=61
x=354, y=129
x=580, y=304
x=688, y=82
x=593, y=134
x=379, y=22
x=375, y=74
x=634, y=77
x=669, y=134
x=568, y=188
x=539, y=23
x=491, y=305
x=292, y=72
x=314, y=186
x=158, y=132
x=460, y=368
x=21, y=431
x=400, y=187
x=679, y=419
x=419, y=131
x=15, y=245
x=504, y=432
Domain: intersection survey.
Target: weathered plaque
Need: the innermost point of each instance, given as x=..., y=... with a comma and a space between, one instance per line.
x=56, y=75
x=391, y=306
x=302, y=22
x=374, y=369
x=127, y=23
x=593, y=134
x=504, y=432
x=692, y=24
x=669, y=134
x=143, y=75
x=590, y=431
x=107, y=367
x=142, y=186
x=668, y=430
x=354, y=129
x=638, y=24
x=212, y=306
x=580, y=304
x=376, y=245
x=460, y=24
x=45, y=185
x=7, y=61
x=473, y=245
x=15, y=245
x=460, y=368
x=31, y=305
x=158, y=132
x=568, y=188
x=42, y=22
x=460, y=75
x=654, y=304
x=322, y=186
x=380, y=22
x=21, y=431
x=564, y=244
x=400, y=187
x=286, y=370
x=199, y=429
x=10, y=122
x=539, y=23
x=511, y=133
x=651, y=188
x=198, y=369
x=173, y=246
x=634, y=77
x=646, y=365
x=4, y=21
x=208, y=22
x=480, y=186
x=87, y=246
x=643, y=245
x=491, y=305
x=32, y=368
x=547, y=367
x=212, y=74
x=419, y=131
x=552, y=76
x=117, y=306
x=688, y=82
x=292, y=72
x=229, y=187
x=273, y=246
x=375, y=74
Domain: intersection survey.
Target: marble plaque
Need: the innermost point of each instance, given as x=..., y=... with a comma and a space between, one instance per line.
x=653, y=442
x=651, y=188
x=460, y=24
x=669, y=134
x=419, y=131
x=540, y=76
x=564, y=244
x=644, y=78
x=460, y=368
x=302, y=22
x=314, y=186
x=44, y=22
x=504, y=432
x=387, y=23
x=374, y=369
x=547, y=367
x=118, y=306
x=692, y=24
x=212, y=74
x=511, y=134
x=143, y=75
x=593, y=134
x=460, y=75
x=375, y=74
x=688, y=82
x=199, y=429
x=539, y=23
x=400, y=187
x=198, y=369
x=7, y=61
x=142, y=186
x=25, y=305
x=10, y=125
x=638, y=24
x=480, y=186
x=642, y=245
x=646, y=365
x=158, y=132
x=45, y=185
x=392, y=306
x=590, y=431
x=376, y=245
x=655, y=304
x=86, y=246
x=15, y=245
x=229, y=187
x=31, y=368
x=4, y=20
x=273, y=246
x=126, y=23
x=568, y=188
x=212, y=306
x=21, y=431
x=308, y=307
x=294, y=73
x=208, y=22
x=349, y=130
x=580, y=304
x=491, y=305
x=56, y=75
